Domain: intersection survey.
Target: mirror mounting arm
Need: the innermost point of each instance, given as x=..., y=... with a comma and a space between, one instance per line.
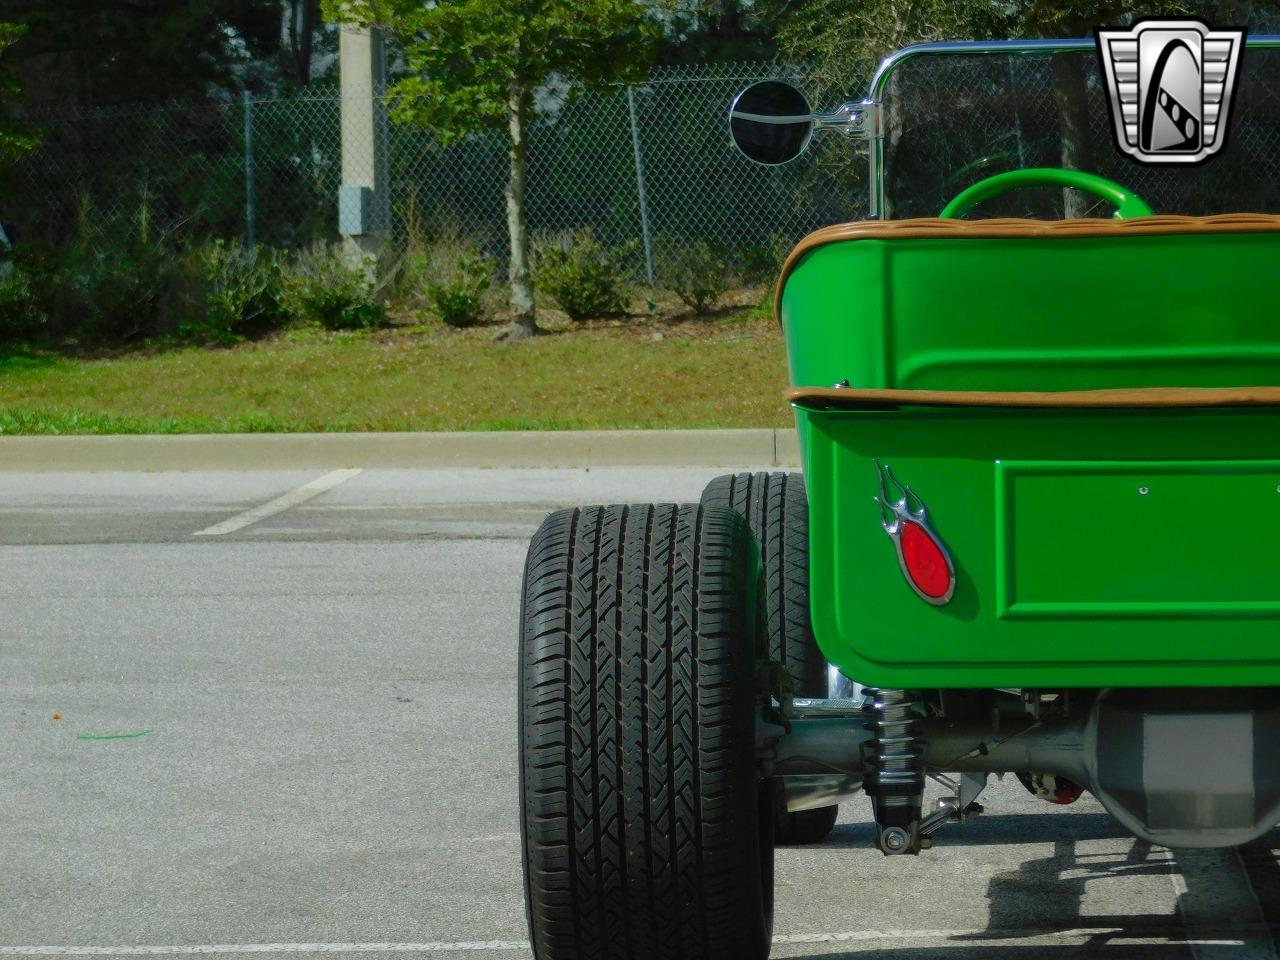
x=857, y=119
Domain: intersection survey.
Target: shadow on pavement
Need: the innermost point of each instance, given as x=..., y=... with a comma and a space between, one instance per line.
x=1042, y=899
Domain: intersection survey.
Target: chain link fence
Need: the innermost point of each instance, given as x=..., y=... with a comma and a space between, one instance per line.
x=649, y=167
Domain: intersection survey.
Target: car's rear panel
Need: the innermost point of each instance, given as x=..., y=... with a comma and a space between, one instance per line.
x=1091, y=547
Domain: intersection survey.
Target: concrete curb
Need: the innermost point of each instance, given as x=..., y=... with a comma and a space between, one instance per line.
x=288, y=451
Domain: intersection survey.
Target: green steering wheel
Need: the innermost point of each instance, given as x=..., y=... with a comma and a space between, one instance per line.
x=1128, y=204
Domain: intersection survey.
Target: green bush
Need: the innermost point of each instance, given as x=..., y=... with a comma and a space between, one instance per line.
x=318, y=287
x=22, y=316
x=696, y=273
x=117, y=293
x=583, y=276
x=457, y=292
x=235, y=291
x=116, y=281
x=760, y=263
x=447, y=276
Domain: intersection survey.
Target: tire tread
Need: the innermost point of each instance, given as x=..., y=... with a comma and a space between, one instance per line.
x=639, y=803
x=777, y=511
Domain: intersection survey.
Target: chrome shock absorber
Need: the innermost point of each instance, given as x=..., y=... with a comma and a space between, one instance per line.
x=895, y=773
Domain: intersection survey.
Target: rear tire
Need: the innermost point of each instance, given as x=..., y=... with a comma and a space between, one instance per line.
x=777, y=510
x=640, y=801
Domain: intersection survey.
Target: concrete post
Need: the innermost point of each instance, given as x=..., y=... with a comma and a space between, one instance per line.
x=363, y=202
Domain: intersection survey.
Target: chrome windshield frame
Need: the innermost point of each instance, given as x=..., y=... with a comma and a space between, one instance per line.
x=873, y=105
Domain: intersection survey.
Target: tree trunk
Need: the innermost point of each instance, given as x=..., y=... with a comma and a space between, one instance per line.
x=524, y=321
x=1073, y=113
x=302, y=25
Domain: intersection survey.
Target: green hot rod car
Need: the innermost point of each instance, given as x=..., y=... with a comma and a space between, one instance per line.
x=1037, y=533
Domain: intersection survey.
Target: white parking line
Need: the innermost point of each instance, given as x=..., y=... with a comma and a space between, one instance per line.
x=972, y=937
x=199, y=948
x=291, y=499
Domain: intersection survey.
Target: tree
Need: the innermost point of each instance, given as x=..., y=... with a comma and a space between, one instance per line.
x=845, y=39
x=14, y=141
x=710, y=31
x=475, y=65
x=302, y=19
x=81, y=54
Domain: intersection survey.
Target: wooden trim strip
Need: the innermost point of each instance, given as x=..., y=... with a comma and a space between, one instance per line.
x=1145, y=397
x=933, y=228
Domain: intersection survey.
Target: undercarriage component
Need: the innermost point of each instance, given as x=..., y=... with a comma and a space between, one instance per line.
x=960, y=807
x=895, y=774
x=840, y=687
x=814, y=791
x=830, y=746
x=1182, y=768
x=1188, y=768
x=1051, y=787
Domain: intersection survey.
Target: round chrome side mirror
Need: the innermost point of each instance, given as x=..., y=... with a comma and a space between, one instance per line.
x=770, y=122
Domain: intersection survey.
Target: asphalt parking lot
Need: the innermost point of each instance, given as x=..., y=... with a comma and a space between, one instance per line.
x=274, y=712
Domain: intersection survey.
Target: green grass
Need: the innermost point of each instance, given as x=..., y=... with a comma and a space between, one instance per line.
x=726, y=371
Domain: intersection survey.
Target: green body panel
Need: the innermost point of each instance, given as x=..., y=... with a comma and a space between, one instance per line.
x=1036, y=314
x=1067, y=572
x=1095, y=547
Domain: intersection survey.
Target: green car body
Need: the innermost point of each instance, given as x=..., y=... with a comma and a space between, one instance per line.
x=1092, y=547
